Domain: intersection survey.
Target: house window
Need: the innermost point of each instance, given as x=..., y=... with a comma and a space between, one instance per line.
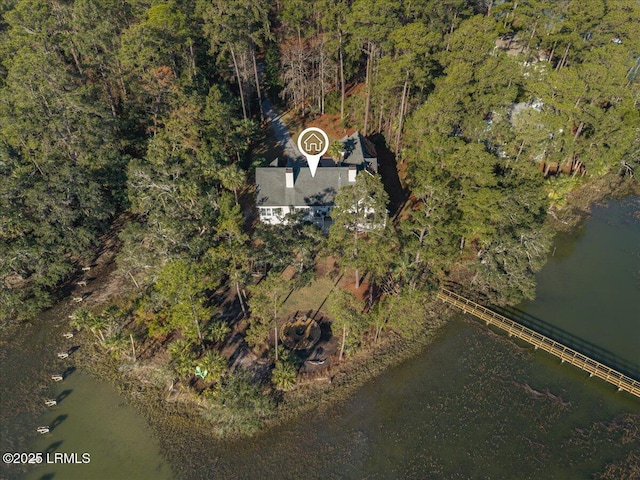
x=265, y=212
x=277, y=212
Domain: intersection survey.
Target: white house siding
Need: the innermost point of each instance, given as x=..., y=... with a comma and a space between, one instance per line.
x=276, y=215
x=273, y=215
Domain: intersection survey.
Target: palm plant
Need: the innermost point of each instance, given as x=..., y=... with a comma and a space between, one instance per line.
x=218, y=330
x=284, y=375
x=182, y=358
x=214, y=364
x=83, y=319
x=336, y=150
x=232, y=178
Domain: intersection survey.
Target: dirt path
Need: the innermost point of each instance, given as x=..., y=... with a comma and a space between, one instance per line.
x=291, y=151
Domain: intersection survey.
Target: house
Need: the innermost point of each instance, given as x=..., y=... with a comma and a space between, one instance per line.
x=281, y=191
x=291, y=188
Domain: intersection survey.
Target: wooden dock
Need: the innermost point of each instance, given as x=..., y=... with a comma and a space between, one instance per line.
x=564, y=353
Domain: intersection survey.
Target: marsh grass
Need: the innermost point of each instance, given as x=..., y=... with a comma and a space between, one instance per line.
x=340, y=380
x=147, y=383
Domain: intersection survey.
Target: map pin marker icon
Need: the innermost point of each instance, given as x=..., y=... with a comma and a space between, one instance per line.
x=313, y=142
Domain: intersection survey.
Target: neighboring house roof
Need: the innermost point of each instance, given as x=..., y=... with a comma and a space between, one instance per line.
x=271, y=190
x=359, y=151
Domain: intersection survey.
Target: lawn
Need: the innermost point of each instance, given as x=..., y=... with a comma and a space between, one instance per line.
x=310, y=299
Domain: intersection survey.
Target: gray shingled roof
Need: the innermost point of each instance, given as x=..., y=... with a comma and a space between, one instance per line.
x=358, y=151
x=321, y=189
x=307, y=190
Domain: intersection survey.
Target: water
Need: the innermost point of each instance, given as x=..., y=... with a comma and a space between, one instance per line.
x=91, y=417
x=94, y=419
x=477, y=405
x=591, y=286
x=460, y=410
x=473, y=405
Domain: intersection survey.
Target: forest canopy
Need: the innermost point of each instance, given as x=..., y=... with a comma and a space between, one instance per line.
x=147, y=111
x=134, y=127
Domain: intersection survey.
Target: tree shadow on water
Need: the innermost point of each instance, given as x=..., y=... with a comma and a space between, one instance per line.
x=58, y=420
x=595, y=352
x=64, y=394
x=73, y=349
x=53, y=447
x=48, y=476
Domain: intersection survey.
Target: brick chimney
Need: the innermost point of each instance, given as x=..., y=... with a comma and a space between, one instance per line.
x=352, y=174
x=288, y=177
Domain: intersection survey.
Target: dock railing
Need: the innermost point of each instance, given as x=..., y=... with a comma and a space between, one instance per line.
x=564, y=353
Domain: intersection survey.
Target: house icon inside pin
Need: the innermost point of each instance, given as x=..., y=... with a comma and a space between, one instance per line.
x=313, y=143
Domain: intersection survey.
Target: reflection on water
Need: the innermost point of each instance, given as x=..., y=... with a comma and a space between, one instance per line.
x=90, y=417
x=571, y=340
x=472, y=406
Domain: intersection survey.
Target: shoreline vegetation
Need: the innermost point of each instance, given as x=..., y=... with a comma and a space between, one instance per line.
x=183, y=419
x=129, y=139
x=312, y=394
x=581, y=200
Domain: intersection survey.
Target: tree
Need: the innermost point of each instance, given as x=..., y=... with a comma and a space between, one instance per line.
x=157, y=55
x=232, y=178
x=336, y=150
x=404, y=313
x=294, y=242
x=182, y=303
x=348, y=320
x=333, y=21
x=408, y=67
x=226, y=136
x=60, y=181
x=103, y=112
x=369, y=23
x=283, y=376
x=296, y=60
x=170, y=194
x=266, y=299
x=430, y=230
x=183, y=358
x=235, y=27
x=213, y=366
x=102, y=327
x=359, y=219
x=95, y=32
x=218, y=330
x=231, y=255
x=377, y=258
